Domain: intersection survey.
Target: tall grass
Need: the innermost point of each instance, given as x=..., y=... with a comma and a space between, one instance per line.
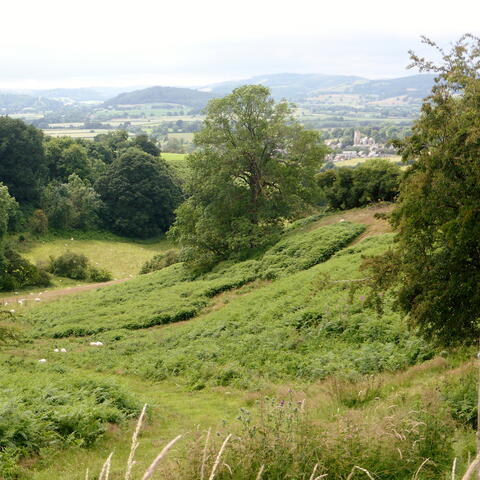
x=283, y=442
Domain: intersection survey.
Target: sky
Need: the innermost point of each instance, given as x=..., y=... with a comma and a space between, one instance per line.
x=56, y=43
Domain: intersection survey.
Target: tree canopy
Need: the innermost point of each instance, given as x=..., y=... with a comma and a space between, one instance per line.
x=255, y=168
x=139, y=194
x=438, y=212
x=22, y=160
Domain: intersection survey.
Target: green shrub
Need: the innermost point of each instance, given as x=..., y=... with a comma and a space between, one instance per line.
x=160, y=261
x=17, y=272
x=98, y=274
x=77, y=266
x=460, y=396
x=44, y=406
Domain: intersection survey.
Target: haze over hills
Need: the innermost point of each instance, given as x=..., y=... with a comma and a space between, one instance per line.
x=295, y=86
x=182, y=96
x=292, y=86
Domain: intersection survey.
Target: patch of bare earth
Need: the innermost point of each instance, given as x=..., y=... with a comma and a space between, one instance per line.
x=366, y=216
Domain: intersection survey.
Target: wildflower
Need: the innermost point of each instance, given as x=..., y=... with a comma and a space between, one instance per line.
x=362, y=298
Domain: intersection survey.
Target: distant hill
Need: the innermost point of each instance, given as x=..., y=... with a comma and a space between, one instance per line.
x=298, y=87
x=176, y=95
x=13, y=103
x=288, y=85
x=99, y=94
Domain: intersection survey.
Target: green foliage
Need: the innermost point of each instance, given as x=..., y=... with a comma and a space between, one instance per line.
x=43, y=406
x=17, y=272
x=66, y=156
x=284, y=441
x=373, y=181
x=74, y=204
x=160, y=261
x=459, y=393
x=8, y=208
x=39, y=222
x=139, y=194
x=22, y=168
x=437, y=215
x=77, y=266
x=255, y=168
x=171, y=294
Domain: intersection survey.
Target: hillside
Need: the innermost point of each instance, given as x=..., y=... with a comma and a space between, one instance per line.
x=12, y=103
x=299, y=87
x=260, y=335
x=175, y=95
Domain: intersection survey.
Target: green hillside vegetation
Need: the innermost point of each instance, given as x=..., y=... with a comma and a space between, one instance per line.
x=288, y=318
x=171, y=295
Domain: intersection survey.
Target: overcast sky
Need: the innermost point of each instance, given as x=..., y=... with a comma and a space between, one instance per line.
x=57, y=43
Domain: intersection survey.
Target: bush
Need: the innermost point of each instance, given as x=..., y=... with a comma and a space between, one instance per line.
x=460, y=395
x=160, y=261
x=71, y=265
x=77, y=266
x=17, y=272
x=99, y=274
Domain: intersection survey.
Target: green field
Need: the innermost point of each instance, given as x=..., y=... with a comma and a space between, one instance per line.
x=120, y=256
x=290, y=325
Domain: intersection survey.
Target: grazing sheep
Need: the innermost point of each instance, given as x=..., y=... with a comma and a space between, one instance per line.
x=37, y=299
x=63, y=350
x=42, y=360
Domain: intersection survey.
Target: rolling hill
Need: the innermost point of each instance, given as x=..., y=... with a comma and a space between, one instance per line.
x=180, y=96
x=298, y=87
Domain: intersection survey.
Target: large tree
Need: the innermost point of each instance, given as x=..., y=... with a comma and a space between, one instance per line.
x=255, y=168
x=139, y=194
x=437, y=259
x=22, y=160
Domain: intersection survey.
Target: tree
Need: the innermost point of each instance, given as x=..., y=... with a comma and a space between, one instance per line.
x=74, y=204
x=139, y=193
x=438, y=211
x=146, y=144
x=255, y=168
x=66, y=156
x=22, y=160
x=374, y=181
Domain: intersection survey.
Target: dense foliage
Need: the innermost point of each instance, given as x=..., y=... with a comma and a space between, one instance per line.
x=171, y=294
x=77, y=267
x=43, y=407
x=438, y=216
x=255, y=168
x=373, y=181
x=22, y=159
x=139, y=194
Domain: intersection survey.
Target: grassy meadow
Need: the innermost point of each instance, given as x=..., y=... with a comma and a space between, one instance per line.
x=120, y=256
x=283, y=350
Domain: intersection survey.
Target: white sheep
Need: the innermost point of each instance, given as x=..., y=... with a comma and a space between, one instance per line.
x=42, y=360
x=37, y=299
x=63, y=350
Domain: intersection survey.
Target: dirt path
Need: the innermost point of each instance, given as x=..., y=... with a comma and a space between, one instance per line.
x=53, y=294
x=366, y=216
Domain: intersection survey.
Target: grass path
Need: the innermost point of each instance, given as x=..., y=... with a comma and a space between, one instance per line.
x=50, y=295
